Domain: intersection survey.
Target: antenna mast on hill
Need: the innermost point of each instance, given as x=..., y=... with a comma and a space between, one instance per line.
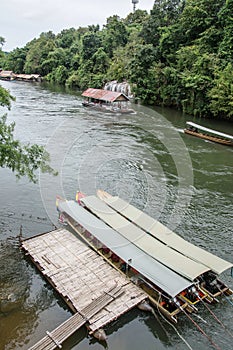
x=134, y=2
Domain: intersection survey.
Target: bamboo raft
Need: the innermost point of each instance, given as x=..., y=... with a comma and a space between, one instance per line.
x=66, y=329
x=83, y=279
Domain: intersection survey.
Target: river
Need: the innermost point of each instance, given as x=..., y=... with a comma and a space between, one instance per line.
x=183, y=181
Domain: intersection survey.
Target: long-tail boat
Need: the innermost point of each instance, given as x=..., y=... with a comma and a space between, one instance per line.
x=171, y=288
x=211, y=284
x=208, y=134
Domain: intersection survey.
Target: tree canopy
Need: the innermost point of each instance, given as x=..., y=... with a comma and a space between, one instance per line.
x=180, y=55
x=23, y=160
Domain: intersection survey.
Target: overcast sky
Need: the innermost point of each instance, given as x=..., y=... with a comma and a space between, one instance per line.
x=23, y=20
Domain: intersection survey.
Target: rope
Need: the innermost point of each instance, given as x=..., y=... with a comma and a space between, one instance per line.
x=216, y=318
x=201, y=330
x=182, y=338
x=200, y=318
x=229, y=300
x=158, y=320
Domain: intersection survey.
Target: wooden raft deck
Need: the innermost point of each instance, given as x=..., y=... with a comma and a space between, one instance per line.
x=81, y=276
x=66, y=329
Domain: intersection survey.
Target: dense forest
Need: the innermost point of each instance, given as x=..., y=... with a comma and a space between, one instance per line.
x=180, y=56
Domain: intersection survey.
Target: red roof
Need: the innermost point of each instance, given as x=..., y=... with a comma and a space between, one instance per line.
x=105, y=95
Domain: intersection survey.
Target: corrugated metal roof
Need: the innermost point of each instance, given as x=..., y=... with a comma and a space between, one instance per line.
x=161, y=232
x=27, y=76
x=6, y=73
x=172, y=259
x=160, y=275
x=105, y=95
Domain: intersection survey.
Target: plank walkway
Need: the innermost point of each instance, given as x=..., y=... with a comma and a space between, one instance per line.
x=81, y=276
x=55, y=338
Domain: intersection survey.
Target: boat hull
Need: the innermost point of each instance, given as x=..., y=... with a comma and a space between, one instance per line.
x=209, y=138
x=106, y=108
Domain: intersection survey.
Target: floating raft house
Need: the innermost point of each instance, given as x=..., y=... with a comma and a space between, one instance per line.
x=101, y=95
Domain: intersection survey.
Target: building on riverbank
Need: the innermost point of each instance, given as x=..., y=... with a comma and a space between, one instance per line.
x=10, y=75
x=7, y=75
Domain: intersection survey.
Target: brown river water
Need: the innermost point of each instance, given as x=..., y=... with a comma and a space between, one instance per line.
x=145, y=158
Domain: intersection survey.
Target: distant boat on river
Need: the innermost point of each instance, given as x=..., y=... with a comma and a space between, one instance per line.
x=208, y=134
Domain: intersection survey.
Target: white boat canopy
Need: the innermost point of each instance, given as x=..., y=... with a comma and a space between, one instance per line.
x=172, y=259
x=164, y=278
x=210, y=131
x=168, y=237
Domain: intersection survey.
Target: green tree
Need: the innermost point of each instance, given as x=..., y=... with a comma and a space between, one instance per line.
x=73, y=80
x=226, y=22
x=55, y=58
x=2, y=55
x=5, y=98
x=91, y=42
x=2, y=41
x=23, y=160
x=221, y=94
x=115, y=34
x=139, y=66
x=137, y=17
x=198, y=16
x=100, y=61
x=166, y=84
x=196, y=74
x=118, y=67
x=38, y=53
x=66, y=38
x=163, y=14
x=170, y=41
x=15, y=60
x=59, y=75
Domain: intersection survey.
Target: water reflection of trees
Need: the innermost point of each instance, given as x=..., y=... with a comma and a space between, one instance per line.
x=23, y=296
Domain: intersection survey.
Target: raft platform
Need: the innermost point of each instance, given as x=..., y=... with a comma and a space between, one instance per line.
x=94, y=291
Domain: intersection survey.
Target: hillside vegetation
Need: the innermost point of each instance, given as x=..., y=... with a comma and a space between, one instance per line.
x=180, y=56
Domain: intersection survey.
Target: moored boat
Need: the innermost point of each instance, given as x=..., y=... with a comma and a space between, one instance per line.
x=208, y=134
x=208, y=282
x=163, y=234
x=167, y=290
